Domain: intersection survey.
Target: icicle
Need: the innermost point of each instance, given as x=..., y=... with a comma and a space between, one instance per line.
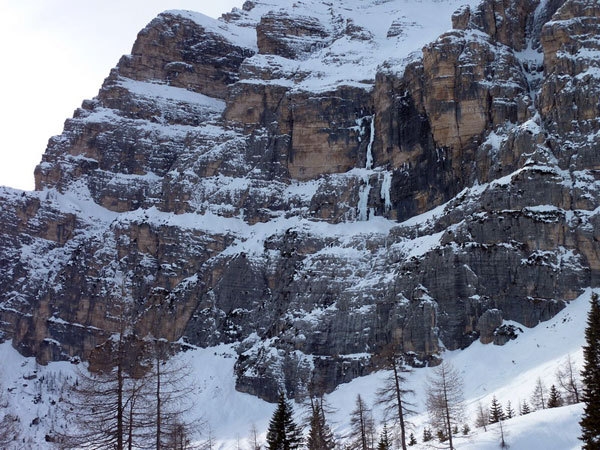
x=363, y=200
x=386, y=187
x=369, y=164
x=365, y=189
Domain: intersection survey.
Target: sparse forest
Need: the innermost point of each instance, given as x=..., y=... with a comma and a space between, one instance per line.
x=138, y=396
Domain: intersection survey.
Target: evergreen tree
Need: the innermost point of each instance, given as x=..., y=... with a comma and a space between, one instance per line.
x=283, y=433
x=320, y=436
x=442, y=436
x=466, y=429
x=496, y=412
x=510, y=412
x=427, y=436
x=555, y=399
x=590, y=422
x=385, y=442
x=412, y=440
x=525, y=409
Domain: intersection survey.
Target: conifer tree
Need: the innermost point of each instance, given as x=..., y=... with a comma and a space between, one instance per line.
x=393, y=395
x=567, y=378
x=590, y=422
x=427, y=436
x=320, y=436
x=412, y=440
x=554, y=399
x=445, y=402
x=283, y=433
x=496, y=412
x=510, y=412
x=385, y=443
x=538, y=398
x=483, y=417
x=525, y=409
x=361, y=422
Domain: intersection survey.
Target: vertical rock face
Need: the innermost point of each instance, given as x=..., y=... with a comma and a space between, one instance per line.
x=317, y=183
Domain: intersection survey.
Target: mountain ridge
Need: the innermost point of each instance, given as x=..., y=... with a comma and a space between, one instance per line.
x=319, y=191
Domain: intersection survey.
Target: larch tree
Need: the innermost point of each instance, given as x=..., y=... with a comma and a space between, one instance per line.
x=445, y=400
x=361, y=426
x=567, y=376
x=9, y=423
x=539, y=396
x=103, y=403
x=393, y=395
x=283, y=433
x=590, y=421
x=482, y=418
x=253, y=441
x=167, y=396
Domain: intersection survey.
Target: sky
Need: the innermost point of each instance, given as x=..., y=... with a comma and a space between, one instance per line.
x=55, y=54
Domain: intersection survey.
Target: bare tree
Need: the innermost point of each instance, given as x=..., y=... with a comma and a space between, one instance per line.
x=9, y=423
x=445, y=402
x=253, y=439
x=393, y=395
x=361, y=426
x=568, y=379
x=502, y=434
x=538, y=398
x=483, y=418
x=167, y=396
x=102, y=403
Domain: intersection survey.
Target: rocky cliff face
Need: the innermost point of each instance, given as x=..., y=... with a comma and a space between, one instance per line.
x=317, y=183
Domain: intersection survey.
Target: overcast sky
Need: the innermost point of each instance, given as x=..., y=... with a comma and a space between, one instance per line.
x=56, y=53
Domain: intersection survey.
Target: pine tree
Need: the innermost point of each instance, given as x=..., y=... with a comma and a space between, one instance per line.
x=385, y=442
x=555, y=399
x=412, y=440
x=590, y=422
x=320, y=436
x=466, y=429
x=525, y=409
x=510, y=412
x=496, y=412
x=283, y=433
x=427, y=436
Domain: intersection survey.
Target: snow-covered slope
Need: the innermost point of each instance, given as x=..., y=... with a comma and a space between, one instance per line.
x=309, y=184
x=33, y=392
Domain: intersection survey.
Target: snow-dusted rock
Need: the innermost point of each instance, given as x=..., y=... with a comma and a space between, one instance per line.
x=317, y=183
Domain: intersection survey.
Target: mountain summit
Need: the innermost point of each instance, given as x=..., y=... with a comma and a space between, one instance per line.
x=318, y=182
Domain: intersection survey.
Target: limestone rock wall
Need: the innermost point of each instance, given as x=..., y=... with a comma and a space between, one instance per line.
x=284, y=181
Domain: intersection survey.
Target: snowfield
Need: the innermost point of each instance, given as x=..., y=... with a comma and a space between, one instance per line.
x=33, y=392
